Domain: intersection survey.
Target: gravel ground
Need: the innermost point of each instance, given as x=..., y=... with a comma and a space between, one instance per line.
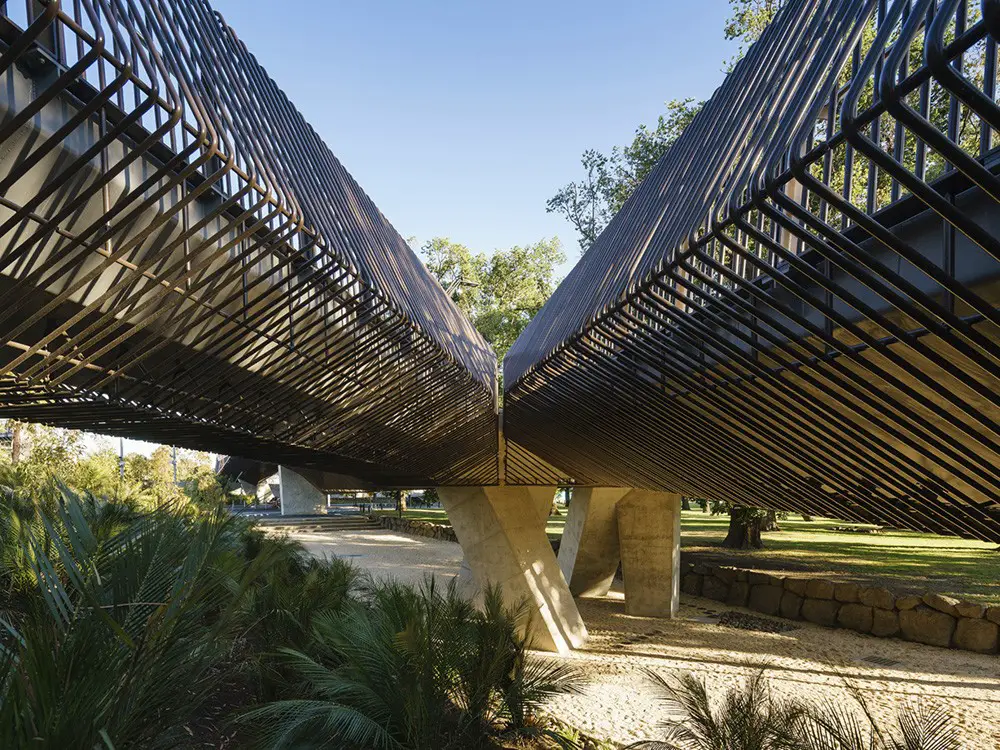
x=387, y=553
x=810, y=662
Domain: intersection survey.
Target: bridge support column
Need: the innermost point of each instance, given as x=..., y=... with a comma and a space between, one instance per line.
x=589, y=552
x=649, y=532
x=502, y=533
x=299, y=496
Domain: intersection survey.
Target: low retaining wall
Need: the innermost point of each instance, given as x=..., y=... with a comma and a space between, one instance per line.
x=933, y=619
x=417, y=528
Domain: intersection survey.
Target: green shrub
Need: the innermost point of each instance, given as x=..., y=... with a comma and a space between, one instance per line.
x=414, y=668
x=132, y=615
x=750, y=717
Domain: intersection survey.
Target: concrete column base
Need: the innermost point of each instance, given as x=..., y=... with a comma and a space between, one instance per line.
x=649, y=532
x=589, y=551
x=502, y=533
x=299, y=497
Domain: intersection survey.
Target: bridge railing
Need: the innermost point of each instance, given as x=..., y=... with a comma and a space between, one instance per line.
x=797, y=307
x=225, y=225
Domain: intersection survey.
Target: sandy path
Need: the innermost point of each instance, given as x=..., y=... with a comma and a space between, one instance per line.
x=387, y=553
x=809, y=662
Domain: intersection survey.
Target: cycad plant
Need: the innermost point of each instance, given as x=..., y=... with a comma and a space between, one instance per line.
x=282, y=607
x=922, y=726
x=414, y=668
x=121, y=643
x=750, y=717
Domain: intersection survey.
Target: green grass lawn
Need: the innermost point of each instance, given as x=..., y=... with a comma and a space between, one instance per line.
x=902, y=560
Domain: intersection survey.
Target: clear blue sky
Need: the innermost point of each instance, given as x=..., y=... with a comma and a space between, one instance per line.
x=461, y=118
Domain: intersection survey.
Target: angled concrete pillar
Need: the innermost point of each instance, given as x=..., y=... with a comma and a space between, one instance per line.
x=502, y=533
x=649, y=532
x=299, y=497
x=542, y=498
x=589, y=550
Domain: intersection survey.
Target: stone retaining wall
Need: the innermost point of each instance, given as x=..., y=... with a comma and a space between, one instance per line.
x=417, y=528
x=933, y=619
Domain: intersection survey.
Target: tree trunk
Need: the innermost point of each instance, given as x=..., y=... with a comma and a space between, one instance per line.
x=685, y=503
x=770, y=522
x=704, y=505
x=400, y=503
x=744, y=530
x=15, y=443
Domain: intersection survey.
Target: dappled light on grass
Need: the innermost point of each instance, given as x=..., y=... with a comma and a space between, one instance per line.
x=900, y=560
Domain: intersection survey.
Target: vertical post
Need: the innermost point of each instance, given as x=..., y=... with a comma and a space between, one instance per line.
x=589, y=551
x=649, y=532
x=16, y=436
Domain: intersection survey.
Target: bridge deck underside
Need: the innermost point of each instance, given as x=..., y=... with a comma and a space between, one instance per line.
x=182, y=259
x=798, y=307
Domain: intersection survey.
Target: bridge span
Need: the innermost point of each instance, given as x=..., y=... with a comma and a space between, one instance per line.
x=796, y=309
x=183, y=260
x=798, y=306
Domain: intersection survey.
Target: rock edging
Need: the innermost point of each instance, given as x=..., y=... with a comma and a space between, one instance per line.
x=933, y=619
x=417, y=528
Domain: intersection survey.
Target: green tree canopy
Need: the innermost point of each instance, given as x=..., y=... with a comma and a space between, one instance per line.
x=590, y=203
x=500, y=293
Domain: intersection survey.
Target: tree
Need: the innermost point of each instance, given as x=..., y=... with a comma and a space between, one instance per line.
x=591, y=203
x=585, y=204
x=747, y=22
x=457, y=269
x=744, y=528
x=500, y=293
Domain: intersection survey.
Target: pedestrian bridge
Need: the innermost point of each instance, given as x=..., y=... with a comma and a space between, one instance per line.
x=183, y=260
x=797, y=308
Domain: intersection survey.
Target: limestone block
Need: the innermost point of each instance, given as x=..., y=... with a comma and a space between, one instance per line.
x=926, y=625
x=818, y=588
x=907, y=602
x=876, y=596
x=885, y=622
x=857, y=617
x=993, y=614
x=739, y=593
x=940, y=602
x=766, y=599
x=976, y=635
x=649, y=533
x=796, y=585
x=791, y=605
x=972, y=610
x=726, y=575
x=846, y=592
x=765, y=579
x=713, y=588
x=821, y=611
x=589, y=552
x=691, y=584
